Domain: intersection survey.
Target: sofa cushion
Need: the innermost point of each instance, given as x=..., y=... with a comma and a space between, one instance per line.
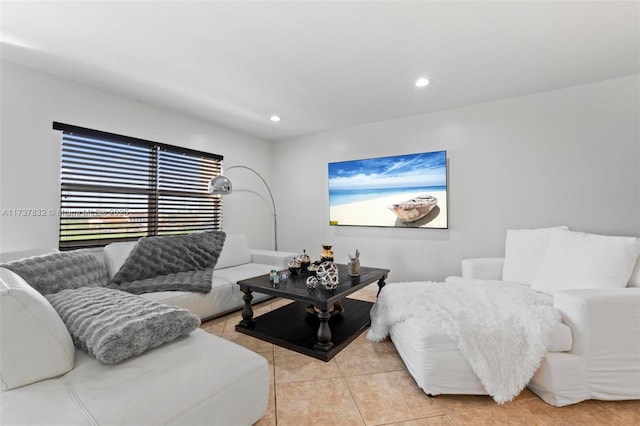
x=576, y=260
x=154, y=256
x=204, y=305
x=199, y=379
x=115, y=254
x=235, y=252
x=54, y=272
x=242, y=272
x=34, y=343
x=113, y=325
x=635, y=275
x=524, y=251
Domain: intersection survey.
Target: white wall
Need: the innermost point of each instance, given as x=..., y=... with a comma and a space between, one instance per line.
x=566, y=157
x=30, y=153
x=569, y=156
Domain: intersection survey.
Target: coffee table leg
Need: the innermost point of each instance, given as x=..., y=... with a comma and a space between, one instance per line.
x=247, y=311
x=381, y=284
x=324, y=332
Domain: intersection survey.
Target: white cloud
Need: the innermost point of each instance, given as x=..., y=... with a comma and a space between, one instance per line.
x=362, y=181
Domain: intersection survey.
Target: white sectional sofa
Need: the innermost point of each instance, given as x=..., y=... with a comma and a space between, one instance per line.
x=197, y=379
x=593, y=354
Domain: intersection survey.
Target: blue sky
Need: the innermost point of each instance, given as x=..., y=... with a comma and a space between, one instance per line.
x=412, y=170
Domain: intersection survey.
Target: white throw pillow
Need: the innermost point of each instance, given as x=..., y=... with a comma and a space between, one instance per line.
x=524, y=251
x=576, y=260
x=34, y=342
x=235, y=251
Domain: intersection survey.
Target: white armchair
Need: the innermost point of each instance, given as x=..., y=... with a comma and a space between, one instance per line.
x=604, y=359
x=592, y=353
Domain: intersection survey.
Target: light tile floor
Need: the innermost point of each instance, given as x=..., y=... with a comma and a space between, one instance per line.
x=367, y=384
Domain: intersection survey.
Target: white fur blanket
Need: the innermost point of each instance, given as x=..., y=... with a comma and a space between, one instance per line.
x=503, y=330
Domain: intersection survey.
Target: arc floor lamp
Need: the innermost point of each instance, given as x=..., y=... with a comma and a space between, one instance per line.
x=221, y=185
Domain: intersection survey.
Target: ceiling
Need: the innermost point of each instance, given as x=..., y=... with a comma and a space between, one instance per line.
x=322, y=65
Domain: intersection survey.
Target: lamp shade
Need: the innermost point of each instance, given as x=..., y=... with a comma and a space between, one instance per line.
x=220, y=185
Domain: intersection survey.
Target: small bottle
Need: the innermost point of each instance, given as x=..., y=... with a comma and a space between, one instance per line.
x=276, y=277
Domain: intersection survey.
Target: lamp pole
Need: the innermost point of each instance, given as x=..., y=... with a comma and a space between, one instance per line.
x=273, y=203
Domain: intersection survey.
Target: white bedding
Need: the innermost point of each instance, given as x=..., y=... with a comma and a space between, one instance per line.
x=502, y=330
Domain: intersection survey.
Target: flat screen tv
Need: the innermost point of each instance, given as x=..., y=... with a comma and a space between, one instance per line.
x=402, y=191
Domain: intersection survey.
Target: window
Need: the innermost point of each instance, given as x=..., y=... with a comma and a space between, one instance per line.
x=117, y=188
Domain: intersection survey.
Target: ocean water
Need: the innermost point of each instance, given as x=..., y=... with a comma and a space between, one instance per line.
x=346, y=196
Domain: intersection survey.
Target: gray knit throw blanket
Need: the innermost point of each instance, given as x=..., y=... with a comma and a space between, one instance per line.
x=167, y=263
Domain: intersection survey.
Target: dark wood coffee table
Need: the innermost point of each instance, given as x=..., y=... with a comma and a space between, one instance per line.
x=319, y=323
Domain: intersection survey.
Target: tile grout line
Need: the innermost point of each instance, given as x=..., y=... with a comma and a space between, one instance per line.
x=353, y=398
x=275, y=395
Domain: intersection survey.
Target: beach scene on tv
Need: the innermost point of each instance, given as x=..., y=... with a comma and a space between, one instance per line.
x=404, y=191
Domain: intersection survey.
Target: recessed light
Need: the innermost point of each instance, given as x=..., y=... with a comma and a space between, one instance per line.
x=275, y=118
x=421, y=82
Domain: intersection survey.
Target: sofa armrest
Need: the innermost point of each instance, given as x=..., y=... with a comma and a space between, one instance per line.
x=486, y=268
x=272, y=257
x=605, y=323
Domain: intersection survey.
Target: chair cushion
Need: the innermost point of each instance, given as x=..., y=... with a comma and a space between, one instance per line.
x=435, y=362
x=524, y=251
x=235, y=252
x=34, y=343
x=576, y=260
x=113, y=325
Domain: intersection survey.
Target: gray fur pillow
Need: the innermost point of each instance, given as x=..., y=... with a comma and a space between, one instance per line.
x=196, y=281
x=112, y=325
x=54, y=272
x=154, y=256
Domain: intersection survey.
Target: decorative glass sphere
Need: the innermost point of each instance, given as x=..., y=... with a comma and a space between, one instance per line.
x=328, y=275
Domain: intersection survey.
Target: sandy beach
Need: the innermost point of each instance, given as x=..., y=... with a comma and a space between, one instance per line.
x=375, y=212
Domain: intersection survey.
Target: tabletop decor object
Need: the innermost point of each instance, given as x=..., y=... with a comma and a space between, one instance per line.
x=305, y=260
x=313, y=268
x=294, y=266
x=354, y=264
x=327, y=253
x=328, y=275
x=312, y=282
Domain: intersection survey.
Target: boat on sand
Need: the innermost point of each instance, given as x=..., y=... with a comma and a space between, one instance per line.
x=415, y=208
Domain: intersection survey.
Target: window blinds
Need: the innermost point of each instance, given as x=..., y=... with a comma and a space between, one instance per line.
x=118, y=188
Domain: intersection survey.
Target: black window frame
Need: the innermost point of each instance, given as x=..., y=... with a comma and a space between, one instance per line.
x=116, y=188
